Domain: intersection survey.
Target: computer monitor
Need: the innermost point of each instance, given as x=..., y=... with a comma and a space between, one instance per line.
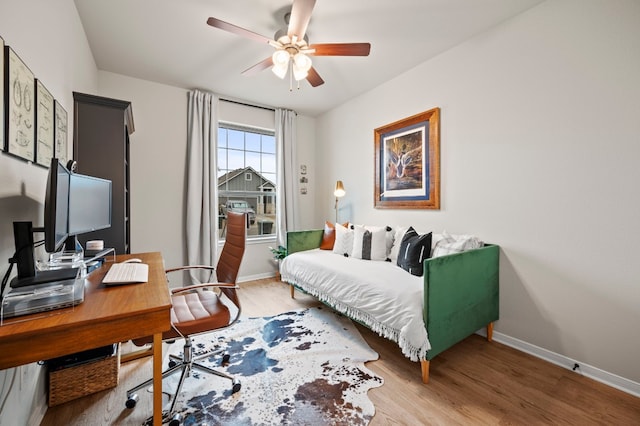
x=89, y=204
x=56, y=207
x=74, y=204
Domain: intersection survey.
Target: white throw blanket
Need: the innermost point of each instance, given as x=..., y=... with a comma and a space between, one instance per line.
x=379, y=294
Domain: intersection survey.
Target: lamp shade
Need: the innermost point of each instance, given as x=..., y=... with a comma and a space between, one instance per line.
x=298, y=73
x=339, y=192
x=280, y=63
x=280, y=57
x=302, y=61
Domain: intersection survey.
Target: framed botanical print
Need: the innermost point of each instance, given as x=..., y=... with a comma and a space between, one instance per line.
x=407, y=163
x=60, y=140
x=44, y=125
x=2, y=100
x=20, y=104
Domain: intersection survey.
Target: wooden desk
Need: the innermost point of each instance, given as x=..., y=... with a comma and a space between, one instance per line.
x=107, y=315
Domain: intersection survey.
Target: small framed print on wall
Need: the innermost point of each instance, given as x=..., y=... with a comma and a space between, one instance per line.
x=2, y=100
x=407, y=163
x=20, y=99
x=44, y=125
x=60, y=140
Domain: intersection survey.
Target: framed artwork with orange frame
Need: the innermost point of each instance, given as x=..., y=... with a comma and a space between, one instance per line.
x=407, y=163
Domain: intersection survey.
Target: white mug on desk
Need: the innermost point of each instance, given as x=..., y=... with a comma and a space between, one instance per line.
x=95, y=245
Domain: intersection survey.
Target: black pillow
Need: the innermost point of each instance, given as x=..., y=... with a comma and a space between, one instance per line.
x=414, y=249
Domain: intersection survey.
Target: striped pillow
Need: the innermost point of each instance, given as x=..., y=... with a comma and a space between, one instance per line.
x=450, y=244
x=414, y=249
x=369, y=242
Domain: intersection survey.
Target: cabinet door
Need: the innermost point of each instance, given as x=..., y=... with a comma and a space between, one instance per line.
x=101, y=148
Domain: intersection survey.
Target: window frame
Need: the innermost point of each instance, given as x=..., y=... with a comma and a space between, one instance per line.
x=261, y=195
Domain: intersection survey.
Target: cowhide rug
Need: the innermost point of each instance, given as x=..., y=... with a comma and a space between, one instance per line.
x=304, y=367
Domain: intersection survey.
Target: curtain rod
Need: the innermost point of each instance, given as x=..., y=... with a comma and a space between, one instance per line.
x=233, y=101
x=247, y=104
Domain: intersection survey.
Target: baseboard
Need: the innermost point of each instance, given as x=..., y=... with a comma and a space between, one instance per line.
x=255, y=277
x=609, y=379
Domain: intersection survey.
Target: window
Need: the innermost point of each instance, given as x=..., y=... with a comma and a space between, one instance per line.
x=247, y=177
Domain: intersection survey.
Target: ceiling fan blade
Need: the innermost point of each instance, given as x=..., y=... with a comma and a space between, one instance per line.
x=217, y=23
x=341, y=49
x=300, y=16
x=314, y=78
x=260, y=66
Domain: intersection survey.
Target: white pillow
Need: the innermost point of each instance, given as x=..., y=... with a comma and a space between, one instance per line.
x=435, y=238
x=389, y=235
x=397, y=240
x=344, y=241
x=450, y=244
x=369, y=242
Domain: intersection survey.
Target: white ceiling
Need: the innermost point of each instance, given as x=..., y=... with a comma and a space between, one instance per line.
x=169, y=42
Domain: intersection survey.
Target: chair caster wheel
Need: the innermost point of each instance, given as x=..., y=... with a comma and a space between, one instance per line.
x=172, y=364
x=176, y=420
x=236, y=386
x=132, y=401
x=226, y=358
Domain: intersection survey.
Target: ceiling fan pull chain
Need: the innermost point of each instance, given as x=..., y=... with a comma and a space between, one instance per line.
x=291, y=76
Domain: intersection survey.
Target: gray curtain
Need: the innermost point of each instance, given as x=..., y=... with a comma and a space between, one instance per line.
x=201, y=213
x=287, y=181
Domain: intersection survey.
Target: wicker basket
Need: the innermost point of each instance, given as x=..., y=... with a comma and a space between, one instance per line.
x=73, y=382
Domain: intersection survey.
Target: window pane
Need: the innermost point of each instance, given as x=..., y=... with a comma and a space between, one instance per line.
x=268, y=163
x=222, y=137
x=271, y=177
x=252, y=141
x=235, y=139
x=222, y=159
x=269, y=144
x=235, y=159
x=253, y=160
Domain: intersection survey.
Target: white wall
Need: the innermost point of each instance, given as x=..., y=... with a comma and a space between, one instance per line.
x=305, y=150
x=53, y=45
x=539, y=152
x=158, y=160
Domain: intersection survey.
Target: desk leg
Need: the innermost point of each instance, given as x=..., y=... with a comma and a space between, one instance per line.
x=157, y=379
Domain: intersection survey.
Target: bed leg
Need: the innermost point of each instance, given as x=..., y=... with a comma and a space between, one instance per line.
x=490, y=332
x=424, y=363
x=292, y=291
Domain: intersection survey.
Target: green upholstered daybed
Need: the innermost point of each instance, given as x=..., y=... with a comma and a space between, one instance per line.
x=459, y=292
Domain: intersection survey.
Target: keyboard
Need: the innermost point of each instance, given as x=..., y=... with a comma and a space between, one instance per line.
x=127, y=273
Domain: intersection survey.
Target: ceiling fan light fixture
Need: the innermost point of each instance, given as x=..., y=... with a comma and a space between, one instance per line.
x=280, y=70
x=302, y=61
x=280, y=57
x=280, y=63
x=299, y=74
x=301, y=66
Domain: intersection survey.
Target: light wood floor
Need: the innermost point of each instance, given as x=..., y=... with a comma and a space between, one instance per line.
x=475, y=382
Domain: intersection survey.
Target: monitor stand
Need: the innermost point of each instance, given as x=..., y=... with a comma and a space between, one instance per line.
x=23, y=238
x=43, y=277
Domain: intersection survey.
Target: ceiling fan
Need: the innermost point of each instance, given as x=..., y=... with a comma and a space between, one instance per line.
x=292, y=46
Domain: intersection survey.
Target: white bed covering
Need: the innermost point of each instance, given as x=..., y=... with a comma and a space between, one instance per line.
x=379, y=294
